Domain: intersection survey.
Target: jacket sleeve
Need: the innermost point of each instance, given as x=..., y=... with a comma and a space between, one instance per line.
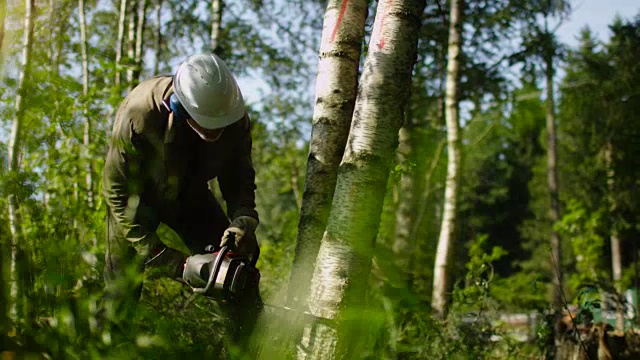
x=237, y=178
x=123, y=182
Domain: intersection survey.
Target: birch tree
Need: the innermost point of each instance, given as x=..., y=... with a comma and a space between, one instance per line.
x=120, y=40
x=86, y=139
x=139, y=48
x=137, y=21
x=216, y=25
x=14, y=157
x=3, y=16
x=414, y=186
x=447, y=230
x=340, y=278
x=131, y=42
x=336, y=88
x=157, y=32
x=407, y=193
x=614, y=238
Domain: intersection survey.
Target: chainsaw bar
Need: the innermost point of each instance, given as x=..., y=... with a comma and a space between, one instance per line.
x=304, y=313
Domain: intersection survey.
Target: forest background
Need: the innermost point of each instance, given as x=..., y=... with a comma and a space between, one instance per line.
x=531, y=208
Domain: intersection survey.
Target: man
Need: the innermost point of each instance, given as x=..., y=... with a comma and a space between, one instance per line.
x=170, y=137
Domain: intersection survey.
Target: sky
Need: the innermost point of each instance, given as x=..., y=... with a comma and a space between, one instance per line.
x=597, y=14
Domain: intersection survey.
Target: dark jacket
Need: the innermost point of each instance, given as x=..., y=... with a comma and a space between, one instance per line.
x=153, y=158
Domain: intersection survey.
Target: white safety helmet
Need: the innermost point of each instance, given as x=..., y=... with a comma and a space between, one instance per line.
x=208, y=91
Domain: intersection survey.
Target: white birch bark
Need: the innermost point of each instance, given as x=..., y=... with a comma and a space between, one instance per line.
x=4, y=319
x=614, y=238
x=447, y=230
x=343, y=264
x=216, y=25
x=139, y=48
x=158, y=37
x=406, y=209
x=120, y=40
x=14, y=156
x=131, y=43
x=3, y=16
x=86, y=139
x=336, y=88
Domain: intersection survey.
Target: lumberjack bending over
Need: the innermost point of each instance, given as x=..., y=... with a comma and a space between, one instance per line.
x=172, y=134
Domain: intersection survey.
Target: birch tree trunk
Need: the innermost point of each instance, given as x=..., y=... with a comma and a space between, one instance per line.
x=14, y=159
x=3, y=16
x=447, y=230
x=86, y=139
x=406, y=210
x=616, y=255
x=336, y=89
x=50, y=16
x=120, y=40
x=216, y=24
x=158, y=37
x=552, y=182
x=340, y=280
x=4, y=319
x=60, y=15
x=139, y=49
x=131, y=43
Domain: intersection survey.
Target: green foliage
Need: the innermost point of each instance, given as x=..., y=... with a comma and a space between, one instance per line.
x=583, y=231
x=476, y=290
x=521, y=291
x=503, y=207
x=588, y=301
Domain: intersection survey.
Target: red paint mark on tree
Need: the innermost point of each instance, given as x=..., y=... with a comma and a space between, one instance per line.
x=384, y=15
x=343, y=9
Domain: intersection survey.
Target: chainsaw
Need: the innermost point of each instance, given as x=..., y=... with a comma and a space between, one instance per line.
x=228, y=276
x=223, y=275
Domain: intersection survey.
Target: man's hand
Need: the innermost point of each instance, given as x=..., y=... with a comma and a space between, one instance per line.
x=244, y=239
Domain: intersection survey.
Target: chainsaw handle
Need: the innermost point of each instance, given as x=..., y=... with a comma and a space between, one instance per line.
x=213, y=275
x=231, y=245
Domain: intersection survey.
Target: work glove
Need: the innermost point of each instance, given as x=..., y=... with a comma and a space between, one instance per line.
x=240, y=235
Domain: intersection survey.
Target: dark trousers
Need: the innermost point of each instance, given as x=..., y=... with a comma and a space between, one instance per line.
x=199, y=221
x=196, y=216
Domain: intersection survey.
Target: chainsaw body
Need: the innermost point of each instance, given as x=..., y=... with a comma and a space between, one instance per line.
x=223, y=275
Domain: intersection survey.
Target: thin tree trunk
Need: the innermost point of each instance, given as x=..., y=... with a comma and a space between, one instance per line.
x=14, y=157
x=339, y=283
x=3, y=16
x=61, y=16
x=4, y=318
x=86, y=139
x=51, y=34
x=131, y=43
x=409, y=184
x=336, y=89
x=158, y=36
x=552, y=181
x=406, y=209
x=139, y=49
x=447, y=230
x=76, y=185
x=120, y=40
x=616, y=255
x=216, y=25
